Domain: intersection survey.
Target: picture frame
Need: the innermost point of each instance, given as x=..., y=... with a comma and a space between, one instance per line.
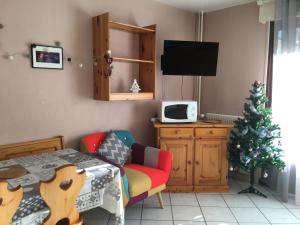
x=46, y=57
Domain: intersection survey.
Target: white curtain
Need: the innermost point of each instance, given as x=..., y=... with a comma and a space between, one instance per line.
x=286, y=86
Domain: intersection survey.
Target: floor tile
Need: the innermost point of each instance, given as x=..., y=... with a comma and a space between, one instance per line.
x=254, y=223
x=184, y=199
x=217, y=214
x=127, y=222
x=291, y=204
x=153, y=200
x=153, y=222
x=188, y=223
x=211, y=200
x=157, y=213
x=189, y=213
x=295, y=212
x=133, y=213
x=269, y=202
x=238, y=201
x=250, y=215
x=221, y=223
x=137, y=205
x=96, y=216
x=279, y=215
x=95, y=222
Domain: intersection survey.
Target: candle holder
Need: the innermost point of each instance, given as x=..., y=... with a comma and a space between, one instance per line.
x=109, y=59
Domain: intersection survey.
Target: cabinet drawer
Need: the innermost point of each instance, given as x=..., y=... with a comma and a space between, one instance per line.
x=211, y=132
x=176, y=132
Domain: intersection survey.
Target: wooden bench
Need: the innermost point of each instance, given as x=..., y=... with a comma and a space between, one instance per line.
x=31, y=147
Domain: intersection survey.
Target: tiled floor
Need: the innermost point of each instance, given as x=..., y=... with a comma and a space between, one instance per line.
x=206, y=209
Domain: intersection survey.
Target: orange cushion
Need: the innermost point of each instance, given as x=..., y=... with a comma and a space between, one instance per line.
x=157, y=177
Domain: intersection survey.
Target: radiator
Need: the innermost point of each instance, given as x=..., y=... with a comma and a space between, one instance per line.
x=224, y=118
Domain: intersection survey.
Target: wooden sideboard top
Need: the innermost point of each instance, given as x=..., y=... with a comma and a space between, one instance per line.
x=158, y=124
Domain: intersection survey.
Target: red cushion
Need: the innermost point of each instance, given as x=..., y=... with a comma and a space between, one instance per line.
x=158, y=177
x=93, y=141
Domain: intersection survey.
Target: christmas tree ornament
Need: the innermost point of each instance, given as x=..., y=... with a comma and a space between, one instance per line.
x=266, y=175
x=256, y=83
x=261, y=151
x=231, y=168
x=135, y=88
x=262, y=132
x=253, y=109
x=246, y=121
x=245, y=131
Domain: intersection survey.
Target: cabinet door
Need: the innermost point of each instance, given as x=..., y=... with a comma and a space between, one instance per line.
x=182, y=164
x=210, y=162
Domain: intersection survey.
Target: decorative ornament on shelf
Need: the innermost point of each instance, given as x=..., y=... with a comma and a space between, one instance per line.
x=135, y=88
x=266, y=175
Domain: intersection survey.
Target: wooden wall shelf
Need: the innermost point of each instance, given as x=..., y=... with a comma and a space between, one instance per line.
x=146, y=60
x=131, y=96
x=130, y=28
x=119, y=59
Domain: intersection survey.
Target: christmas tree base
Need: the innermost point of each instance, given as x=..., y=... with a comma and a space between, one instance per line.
x=252, y=190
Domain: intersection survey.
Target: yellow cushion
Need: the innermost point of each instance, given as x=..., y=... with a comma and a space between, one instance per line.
x=138, y=182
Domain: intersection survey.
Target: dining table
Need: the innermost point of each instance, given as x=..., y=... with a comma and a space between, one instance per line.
x=102, y=187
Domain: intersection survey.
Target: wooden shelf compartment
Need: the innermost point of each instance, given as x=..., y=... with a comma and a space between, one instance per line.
x=128, y=27
x=131, y=96
x=121, y=59
x=146, y=59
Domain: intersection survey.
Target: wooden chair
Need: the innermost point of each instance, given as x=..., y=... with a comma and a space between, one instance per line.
x=60, y=195
x=9, y=202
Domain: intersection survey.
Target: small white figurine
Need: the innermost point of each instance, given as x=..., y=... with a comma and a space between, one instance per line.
x=135, y=88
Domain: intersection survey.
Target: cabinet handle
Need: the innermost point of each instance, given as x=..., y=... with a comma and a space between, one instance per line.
x=211, y=132
x=197, y=163
x=176, y=169
x=189, y=162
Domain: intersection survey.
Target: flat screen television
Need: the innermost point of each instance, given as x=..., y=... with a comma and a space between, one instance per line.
x=190, y=58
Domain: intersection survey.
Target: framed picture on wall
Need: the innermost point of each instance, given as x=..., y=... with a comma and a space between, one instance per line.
x=47, y=57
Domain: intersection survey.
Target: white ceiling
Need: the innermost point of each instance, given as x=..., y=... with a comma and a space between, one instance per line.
x=204, y=5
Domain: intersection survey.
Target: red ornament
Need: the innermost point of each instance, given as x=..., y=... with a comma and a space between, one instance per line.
x=257, y=83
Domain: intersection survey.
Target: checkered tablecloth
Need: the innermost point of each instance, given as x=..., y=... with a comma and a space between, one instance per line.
x=102, y=186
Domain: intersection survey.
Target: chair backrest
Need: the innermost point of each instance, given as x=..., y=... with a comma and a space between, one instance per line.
x=60, y=194
x=91, y=142
x=9, y=202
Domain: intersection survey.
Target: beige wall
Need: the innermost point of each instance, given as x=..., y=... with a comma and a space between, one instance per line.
x=37, y=103
x=243, y=42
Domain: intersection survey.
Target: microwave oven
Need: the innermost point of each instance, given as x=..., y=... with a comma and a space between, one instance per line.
x=178, y=112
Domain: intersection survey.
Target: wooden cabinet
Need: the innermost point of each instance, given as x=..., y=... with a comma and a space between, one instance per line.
x=103, y=72
x=182, y=169
x=200, y=155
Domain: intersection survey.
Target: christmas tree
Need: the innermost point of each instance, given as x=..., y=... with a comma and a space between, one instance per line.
x=252, y=144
